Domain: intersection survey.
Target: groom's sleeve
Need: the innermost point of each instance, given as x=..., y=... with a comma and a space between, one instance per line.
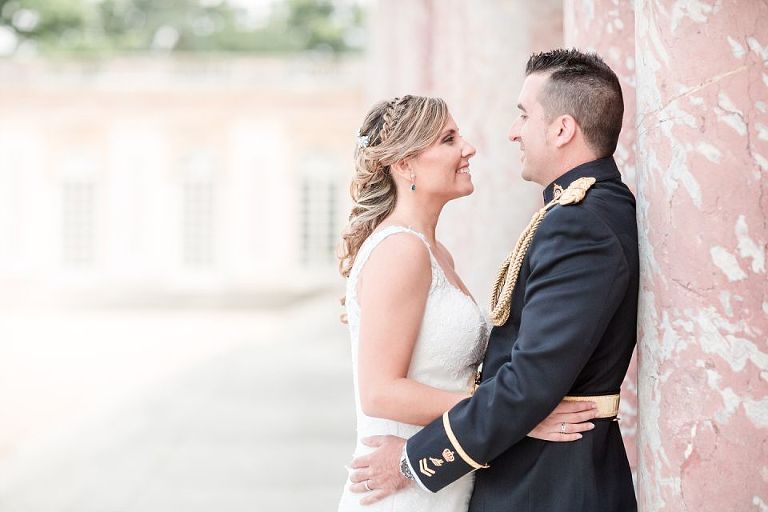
x=578, y=277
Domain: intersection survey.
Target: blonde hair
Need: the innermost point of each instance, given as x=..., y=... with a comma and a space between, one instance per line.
x=397, y=129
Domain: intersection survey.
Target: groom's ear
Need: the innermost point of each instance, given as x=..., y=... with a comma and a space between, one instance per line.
x=565, y=128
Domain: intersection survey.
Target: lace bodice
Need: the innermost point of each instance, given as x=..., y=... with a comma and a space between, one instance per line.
x=453, y=332
x=450, y=345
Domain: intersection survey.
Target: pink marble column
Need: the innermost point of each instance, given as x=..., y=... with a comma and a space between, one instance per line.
x=608, y=28
x=702, y=166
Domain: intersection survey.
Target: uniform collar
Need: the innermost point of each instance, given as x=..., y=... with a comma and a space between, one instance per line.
x=601, y=169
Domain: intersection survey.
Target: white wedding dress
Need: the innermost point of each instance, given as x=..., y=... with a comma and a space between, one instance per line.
x=451, y=343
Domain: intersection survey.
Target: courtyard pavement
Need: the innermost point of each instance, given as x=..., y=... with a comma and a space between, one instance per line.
x=216, y=410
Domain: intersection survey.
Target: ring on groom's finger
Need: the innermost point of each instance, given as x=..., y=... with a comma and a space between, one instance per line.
x=562, y=428
x=368, y=487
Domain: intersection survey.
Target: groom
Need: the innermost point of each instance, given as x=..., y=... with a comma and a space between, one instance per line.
x=565, y=310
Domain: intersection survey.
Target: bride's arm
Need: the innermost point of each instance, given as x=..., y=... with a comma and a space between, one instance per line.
x=392, y=293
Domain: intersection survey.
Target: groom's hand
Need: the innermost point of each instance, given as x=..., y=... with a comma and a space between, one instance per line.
x=380, y=470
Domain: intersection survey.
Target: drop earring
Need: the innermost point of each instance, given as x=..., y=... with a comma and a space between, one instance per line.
x=413, y=182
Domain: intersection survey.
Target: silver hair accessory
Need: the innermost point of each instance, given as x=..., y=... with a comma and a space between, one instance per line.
x=362, y=140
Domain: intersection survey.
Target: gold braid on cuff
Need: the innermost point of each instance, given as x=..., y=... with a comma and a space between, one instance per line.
x=456, y=446
x=501, y=297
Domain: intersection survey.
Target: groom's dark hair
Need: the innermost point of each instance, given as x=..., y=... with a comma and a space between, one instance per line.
x=582, y=85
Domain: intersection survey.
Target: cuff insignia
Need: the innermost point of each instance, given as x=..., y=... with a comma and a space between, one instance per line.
x=424, y=468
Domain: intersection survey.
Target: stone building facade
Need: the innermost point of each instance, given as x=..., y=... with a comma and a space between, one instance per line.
x=149, y=179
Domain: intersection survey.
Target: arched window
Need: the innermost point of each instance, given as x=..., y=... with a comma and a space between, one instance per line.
x=198, y=209
x=319, y=211
x=78, y=198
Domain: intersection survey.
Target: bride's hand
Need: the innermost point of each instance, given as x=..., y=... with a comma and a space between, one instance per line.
x=565, y=422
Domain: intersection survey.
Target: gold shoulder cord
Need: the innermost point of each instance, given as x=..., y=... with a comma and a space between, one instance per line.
x=501, y=298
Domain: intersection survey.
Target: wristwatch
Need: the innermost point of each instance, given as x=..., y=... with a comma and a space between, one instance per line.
x=405, y=468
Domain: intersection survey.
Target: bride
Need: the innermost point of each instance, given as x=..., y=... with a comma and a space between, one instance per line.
x=417, y=334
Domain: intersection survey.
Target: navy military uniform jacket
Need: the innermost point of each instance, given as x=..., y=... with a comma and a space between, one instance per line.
x=571, y=331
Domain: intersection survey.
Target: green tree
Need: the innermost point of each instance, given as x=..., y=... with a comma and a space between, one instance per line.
x=321, y=24
x=110, y=26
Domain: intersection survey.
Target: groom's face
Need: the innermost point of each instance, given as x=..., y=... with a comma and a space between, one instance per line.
x=531, y=131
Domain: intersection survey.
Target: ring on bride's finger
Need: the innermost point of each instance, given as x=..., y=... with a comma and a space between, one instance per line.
x=368, y=487
x=562, y=428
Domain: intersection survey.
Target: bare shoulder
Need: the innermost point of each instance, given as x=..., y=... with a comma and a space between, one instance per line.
x=399, y=261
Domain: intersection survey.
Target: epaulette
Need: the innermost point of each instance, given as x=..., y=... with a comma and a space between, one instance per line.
x=575, y=192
